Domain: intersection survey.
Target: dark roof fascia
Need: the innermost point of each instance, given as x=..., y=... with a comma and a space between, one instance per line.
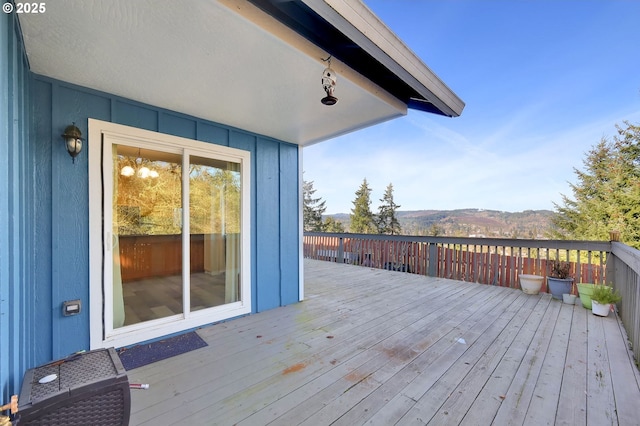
x=302, y=19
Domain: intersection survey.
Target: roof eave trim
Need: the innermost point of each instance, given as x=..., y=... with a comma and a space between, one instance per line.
x=361, y=25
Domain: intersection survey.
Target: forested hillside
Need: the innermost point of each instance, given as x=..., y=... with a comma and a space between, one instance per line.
x=470, y=222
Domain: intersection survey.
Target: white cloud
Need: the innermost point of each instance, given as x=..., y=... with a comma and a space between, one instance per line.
x=433, y=166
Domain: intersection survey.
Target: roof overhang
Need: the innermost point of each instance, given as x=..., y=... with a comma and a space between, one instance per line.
x=255, y=65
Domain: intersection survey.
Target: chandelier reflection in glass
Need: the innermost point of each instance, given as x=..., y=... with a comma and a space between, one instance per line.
x=140, y=170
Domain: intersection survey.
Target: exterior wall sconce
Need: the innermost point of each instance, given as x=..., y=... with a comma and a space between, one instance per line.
x=73, y=140
x=329, y=84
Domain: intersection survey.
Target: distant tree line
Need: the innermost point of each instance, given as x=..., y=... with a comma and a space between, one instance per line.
x=606, y=197
x=363, y=220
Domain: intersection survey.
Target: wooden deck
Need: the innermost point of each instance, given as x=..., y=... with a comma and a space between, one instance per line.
x=382, y=347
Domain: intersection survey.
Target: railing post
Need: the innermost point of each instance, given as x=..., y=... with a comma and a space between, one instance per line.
x=340, y=258
x=433, y=260
x=610, y=269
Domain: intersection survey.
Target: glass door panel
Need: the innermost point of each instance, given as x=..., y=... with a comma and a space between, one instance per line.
x=165, y=248
x=214, y=218
x=147, y=235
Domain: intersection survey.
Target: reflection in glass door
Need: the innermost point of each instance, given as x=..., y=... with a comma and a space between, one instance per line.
x=214, y=218
x=148, y=278
x=147, y=235
x=169, y=247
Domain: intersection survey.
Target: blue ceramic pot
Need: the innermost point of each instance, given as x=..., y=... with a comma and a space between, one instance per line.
x=559, y=286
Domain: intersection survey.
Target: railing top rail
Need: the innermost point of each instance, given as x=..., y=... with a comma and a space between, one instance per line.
x=506, y=242
x=628, y=255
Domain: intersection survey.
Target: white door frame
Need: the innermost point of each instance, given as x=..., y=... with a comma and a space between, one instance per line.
x=102, y=334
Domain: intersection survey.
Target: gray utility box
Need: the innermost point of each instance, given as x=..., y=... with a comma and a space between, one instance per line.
x=90, y=389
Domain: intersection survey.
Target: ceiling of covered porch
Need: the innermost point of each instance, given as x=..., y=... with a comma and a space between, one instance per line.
x=228, y=61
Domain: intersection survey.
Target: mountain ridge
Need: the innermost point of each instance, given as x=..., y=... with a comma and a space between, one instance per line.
x=470, y=222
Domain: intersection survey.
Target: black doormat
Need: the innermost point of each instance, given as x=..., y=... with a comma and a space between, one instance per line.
x=140, y=355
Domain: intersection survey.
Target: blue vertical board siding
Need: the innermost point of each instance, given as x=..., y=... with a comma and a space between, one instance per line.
x=289, y=226
x=214, y=134
x=16, y=216
x=247, y=142
x=176, y=125
x=28, y=175
x=7, y=373
x=268, y=224
x=60, y=208
x=135, y=116
x=24, y=174
x=70, y=214
x=41, y=99
x=44, y=207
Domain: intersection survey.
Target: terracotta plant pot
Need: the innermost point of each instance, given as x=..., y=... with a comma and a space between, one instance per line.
x=531, y=284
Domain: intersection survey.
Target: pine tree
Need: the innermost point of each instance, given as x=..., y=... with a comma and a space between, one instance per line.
x=312, y=209
x=434, y=230
x=386, y=219
x=332, y=225
x=362, y=221
x=607, y=194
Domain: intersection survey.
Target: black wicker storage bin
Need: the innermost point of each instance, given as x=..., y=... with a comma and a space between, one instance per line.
x=92, y=389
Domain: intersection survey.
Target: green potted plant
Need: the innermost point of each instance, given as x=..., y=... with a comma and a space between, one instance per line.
x=585, y=290
x=603, y=298
x=559, y=280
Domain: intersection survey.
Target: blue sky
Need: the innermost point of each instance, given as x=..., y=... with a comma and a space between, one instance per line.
x=543, y=82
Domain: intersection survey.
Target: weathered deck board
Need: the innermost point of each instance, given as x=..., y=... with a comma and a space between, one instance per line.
x=451, y=370
x=544, y=402
x=600, y=401
x=488, y=402
x=572, y=407
x=621, y=369
x=467, y=390
x=360, y=381
x=382, y=347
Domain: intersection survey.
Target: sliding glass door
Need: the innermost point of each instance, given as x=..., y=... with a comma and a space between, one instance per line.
x=175, y=221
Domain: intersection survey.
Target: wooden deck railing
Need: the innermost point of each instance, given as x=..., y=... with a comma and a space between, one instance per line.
x=623, y=270
x=492, y=261
x=481, y=260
